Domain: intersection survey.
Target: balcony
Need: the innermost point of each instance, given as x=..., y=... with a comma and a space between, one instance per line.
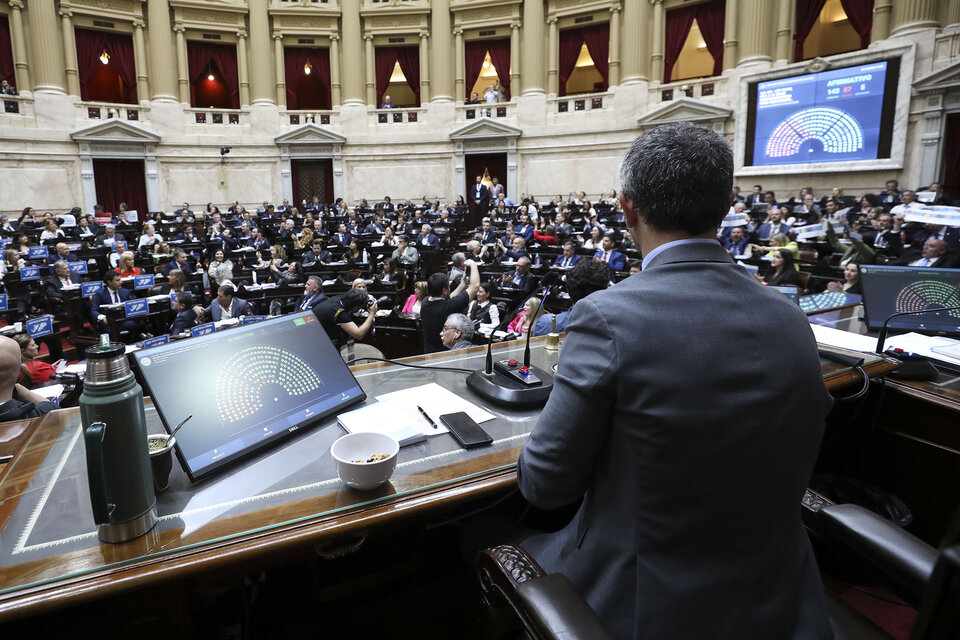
x=87, y=112
x=382, y=117
x=215, y=120
x=17, y=111
x=701, y=88
x=580, y=102
x=295, y=118
x=497, y=110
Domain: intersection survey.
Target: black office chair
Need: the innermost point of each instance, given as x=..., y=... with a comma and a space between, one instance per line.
x=548, y=606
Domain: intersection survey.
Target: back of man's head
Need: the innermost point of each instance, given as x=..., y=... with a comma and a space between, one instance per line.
x=353, y=299
x=458, y=259
x=679, y=178
x=10, y=359
x=436, y=285
x=586, y=277
x=186, y=299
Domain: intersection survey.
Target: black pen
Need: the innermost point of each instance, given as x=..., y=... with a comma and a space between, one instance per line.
x=429, y=419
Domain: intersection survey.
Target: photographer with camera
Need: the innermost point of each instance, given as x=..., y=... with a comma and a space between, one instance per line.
x=339, y=312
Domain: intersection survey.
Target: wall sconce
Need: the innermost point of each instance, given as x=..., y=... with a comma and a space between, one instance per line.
x=210, y=76
x=105, y=57
x=307, y=67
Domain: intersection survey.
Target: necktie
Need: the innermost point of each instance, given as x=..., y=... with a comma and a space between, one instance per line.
x=68, y=282
x=306, y=303
x=606, y=256
x=116, y=298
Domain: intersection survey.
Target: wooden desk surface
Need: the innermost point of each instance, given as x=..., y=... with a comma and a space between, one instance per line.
x=279, y=502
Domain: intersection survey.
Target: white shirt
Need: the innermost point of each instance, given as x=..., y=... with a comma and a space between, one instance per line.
x=225, y=313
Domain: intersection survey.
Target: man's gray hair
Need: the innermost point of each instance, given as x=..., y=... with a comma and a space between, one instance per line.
x=679, y=177
x=461, y=323
x=61, y=263
x=317, y=280
x=458, y=259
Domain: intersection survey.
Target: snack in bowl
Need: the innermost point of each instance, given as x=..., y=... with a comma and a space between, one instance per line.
x=365, y=460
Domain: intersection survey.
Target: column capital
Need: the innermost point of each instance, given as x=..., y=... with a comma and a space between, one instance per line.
x=242, y=33
x=458, y=31
x=278, y=35
x=139, y=23
x=615, y=9
x=334, y=37
x=65, y=12
x=515, y=25
x=368, y=36
x=16, y=4
x=424, y=34
x=179, y=28
x=551, y=19
x=656, y=2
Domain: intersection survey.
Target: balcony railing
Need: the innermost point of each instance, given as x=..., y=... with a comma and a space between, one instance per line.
x=300, y=117
x=397, y=116
x=695, y=88
x=468, y=112
x=87, y=111
x=580, y=102
x=16, y=109
x=208, y=117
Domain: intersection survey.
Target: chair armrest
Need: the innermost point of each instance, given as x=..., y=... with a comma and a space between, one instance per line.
x=904, y=562
x=554, y=609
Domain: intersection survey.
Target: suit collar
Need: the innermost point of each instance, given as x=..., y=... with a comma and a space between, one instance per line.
x=709, y=251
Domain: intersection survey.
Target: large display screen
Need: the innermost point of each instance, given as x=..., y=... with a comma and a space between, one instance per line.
x=892, y=289
x=832, y=116
x=246, y=387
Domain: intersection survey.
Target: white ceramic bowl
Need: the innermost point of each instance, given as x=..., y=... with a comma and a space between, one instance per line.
x=360, y=446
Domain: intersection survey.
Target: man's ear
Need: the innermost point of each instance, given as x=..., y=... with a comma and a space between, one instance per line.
x=629, y=210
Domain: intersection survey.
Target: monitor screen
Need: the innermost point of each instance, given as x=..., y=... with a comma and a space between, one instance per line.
x=831, y=116
x=790, y=291
x=246, y=387
x=891, y=289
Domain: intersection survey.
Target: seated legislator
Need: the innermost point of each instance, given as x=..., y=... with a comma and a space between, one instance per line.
x=405, y=254
x=482, y=311
x=427, y=238
x=654, y=549
x=58, y=279
x=782, y=271
x=569, y=259
x=113, y=292
x=186, y=316
x=179, y=262
x=225, y=307
x=312, y=294
x=125, y=266
x=340, y=311
x=610, y=256
x=415, y=300
x=38, y=371
x=317, y=254
x=851, y=280
x=16, y=401
x=457, y=332
x=521, y=279
x=61, y=252
x=585, y=278
x=440, y=303
x=522, y=321
x=933, y=254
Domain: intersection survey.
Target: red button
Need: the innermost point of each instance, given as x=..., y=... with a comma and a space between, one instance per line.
x=512, y=363
x=523, y=369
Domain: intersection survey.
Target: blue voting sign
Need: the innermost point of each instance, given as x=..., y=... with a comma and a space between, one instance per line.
x=203, y=329
x=37, y=252
x=3, y=302
x=42, y=326
x=78, y=267
x=156, y=342
x=143, y=282
x=87, y=289
x=137, y=307
x=29, y=273
x=245, y=320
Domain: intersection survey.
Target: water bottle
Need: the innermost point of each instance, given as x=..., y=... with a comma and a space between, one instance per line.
x=115, y=440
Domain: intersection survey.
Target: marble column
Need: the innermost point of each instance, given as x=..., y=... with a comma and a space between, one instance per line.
x=183, y=72
x=441, y=69
x=140, y=61
x=635, y=31
x=785, y=28
x=280, y=64
x=514, y=60
x=532, y=60
x=352, y=52
x=913, y=15
x=882, y=17
x=262, y=82
x=47, y=48
x=18, y=39
x=553, y=58
x=335, y=99
x=163, y=73
x=656, y=55
x=756, y=27
x=953, y=14
x=373, y=99
x=70, y=52
x=425, y=67
x=730, y=39
x=613, y=75
x=242, y=71
x=459, y=91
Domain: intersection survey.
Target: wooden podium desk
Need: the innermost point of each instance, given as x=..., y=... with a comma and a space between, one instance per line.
x=278, y=503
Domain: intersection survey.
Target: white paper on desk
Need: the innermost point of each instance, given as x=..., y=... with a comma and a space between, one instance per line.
x=220, y=324
x=844, y=339
x=924, y=346
x=75, y=368
x=437, y=401
x=50, y=392
x=390, y=417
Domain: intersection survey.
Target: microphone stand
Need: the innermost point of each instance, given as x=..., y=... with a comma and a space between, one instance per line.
x=912, y=367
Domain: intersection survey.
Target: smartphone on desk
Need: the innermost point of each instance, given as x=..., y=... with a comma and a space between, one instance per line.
x=466, y=430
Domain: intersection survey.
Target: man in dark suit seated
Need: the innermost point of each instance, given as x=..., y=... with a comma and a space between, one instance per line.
x=61, y=277
x=317, y=254
x=736, y=242
x=654, y=471
x=226, y=307
x=427, y=238
x=113, y=292
x=517, y=250
x=179, y=262
x=569, y=259
x=609, y=255
x=488, y=234
x=186, y=316
x=312, y=295
x=341, y=238
x=521, y=279
x=933, y=254
x=258, y=242
x=772, y=226
x=61, y=252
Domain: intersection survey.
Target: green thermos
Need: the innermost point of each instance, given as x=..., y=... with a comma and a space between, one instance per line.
x=115, y=439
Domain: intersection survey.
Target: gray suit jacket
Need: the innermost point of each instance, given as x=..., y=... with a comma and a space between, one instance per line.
x=691, y=444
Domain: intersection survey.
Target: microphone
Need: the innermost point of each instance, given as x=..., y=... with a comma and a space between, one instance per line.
x=507, y=383
x=881, y=337
x=69, y=378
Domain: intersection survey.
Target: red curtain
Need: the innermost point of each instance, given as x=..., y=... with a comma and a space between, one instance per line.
x=571, y=40
x=307, y=91
x=6, y=52
x=409, y=58
x=386, y=58
x=808, y=11
x=678, y=26
x=500, y=57
x=474, y=51
x=860, y=14
x=90, y=45
x=202, y=58
x=119, y=181
x=951, y=157
x=710, y=18
x=597, y=38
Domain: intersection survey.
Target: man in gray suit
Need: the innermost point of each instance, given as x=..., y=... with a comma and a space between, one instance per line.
x=690, y=450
